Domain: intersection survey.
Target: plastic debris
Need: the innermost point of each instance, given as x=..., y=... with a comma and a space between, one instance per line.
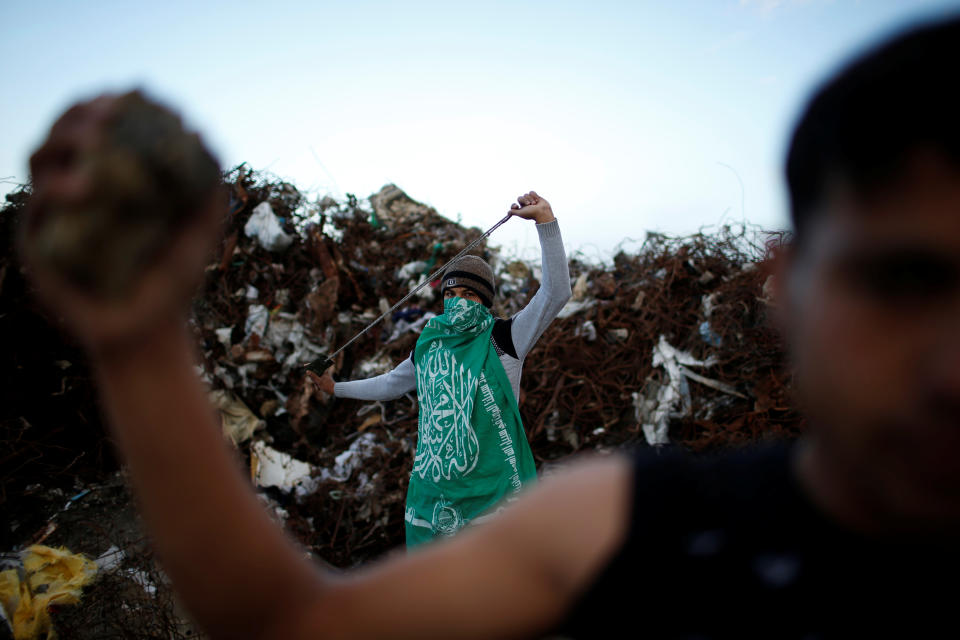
x=708, y=335
x=672, y=396
x=402, y=326
x=347, y=462
x=223, y=336
x=574, y=307
x=272, y=468
x=587, y=331
x=141, y=579
x=288, y=341
x=237, y=421
x=265, y=227
x=46, y=577
x=713, y=384
x=279, y=514
x=111, y=559
x=257, y=318
x=411, y=270
x=618, y=335
x=580, y=288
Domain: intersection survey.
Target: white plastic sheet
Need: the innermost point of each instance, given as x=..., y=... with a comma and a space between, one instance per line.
x=673, y=396
x=272, y=468
x=587, y=331
x=288, y=341
x=265, y=227
x=574, y=307
x=223, y=336
x=411, y=270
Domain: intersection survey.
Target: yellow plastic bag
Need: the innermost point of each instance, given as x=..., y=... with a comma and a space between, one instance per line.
x=49, y=577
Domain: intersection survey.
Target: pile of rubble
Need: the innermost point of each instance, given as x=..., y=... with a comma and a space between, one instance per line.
x=674, y=343
x=670, y=343
x=295, y=280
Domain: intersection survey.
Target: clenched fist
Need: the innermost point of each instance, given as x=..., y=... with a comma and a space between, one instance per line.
x=531, y=206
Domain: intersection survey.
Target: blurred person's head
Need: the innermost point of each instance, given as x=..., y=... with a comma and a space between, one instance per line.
x=870, y=290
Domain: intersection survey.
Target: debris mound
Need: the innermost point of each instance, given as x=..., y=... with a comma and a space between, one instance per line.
x=675, y=339
x=671, y=343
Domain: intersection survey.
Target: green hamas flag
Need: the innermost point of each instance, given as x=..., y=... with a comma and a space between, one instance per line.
x=471, y=449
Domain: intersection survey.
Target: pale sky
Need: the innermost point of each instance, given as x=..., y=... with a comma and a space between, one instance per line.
x=626, y=116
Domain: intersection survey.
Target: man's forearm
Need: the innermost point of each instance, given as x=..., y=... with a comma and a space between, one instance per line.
x=231, y=566
x=555, y=270
x=554, y=291
x=393, y=384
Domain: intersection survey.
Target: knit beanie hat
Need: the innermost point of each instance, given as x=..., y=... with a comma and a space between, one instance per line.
x=472, y=273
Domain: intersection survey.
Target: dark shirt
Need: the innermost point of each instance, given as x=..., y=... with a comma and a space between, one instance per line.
x=730, y=545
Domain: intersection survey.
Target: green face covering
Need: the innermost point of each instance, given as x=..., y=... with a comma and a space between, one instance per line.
x=472, y=452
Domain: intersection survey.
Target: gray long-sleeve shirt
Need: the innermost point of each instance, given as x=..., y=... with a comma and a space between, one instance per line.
x=512, y=338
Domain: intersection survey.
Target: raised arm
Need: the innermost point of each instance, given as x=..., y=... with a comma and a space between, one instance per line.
x=530, y=323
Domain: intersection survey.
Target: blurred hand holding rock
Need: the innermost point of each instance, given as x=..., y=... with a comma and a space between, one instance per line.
x=125, y=208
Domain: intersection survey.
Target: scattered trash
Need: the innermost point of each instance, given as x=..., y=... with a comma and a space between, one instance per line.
x=45, y=577
x=402, y=325
x=713, y=384
x=141, y=579
x=618, y=335
x=370, y=421
x=587, y=331
x=573, y=307
x=265, y=227
x=257, y=318
x=76, y=497
x=708, y=335
x=223, y=336
x=375, y=366
x=272, y=468
x=111, y=559
x=289, y=342
x=673, y=396
x=580, y=288
x=709, y=302
x=412, y=270
x=262, y=313
x=345, y=463
x=237, y=421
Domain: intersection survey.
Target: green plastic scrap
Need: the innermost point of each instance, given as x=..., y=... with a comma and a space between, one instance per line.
x=437, y=248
